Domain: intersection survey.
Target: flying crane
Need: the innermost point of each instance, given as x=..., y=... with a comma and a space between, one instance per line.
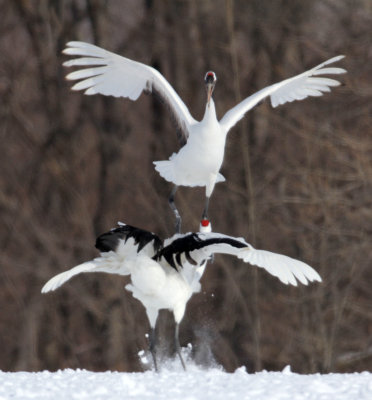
x=199, y=160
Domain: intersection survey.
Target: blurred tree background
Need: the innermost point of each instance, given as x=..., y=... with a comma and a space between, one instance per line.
x=299, y=182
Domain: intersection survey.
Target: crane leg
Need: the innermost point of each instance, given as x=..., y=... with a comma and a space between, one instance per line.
x=174, y=209
x=205, y=225
x=152, y=347
x=205, y=212
x=208, y=193
x=178, y=346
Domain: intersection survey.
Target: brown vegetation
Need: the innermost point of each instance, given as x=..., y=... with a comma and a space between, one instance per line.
x=299, y=182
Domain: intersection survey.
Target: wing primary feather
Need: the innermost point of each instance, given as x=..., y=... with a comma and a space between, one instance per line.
x=329, y=71
x=286, y=91
x=178, y=259
x=211, y=243
x=285, y=268
x=170, y=260
x=86, y=73
x=190, y=259
x=122, y=77
x=88, y=83
x=110, y=240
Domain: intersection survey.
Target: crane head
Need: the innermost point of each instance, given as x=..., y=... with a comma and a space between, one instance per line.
x=210, y=80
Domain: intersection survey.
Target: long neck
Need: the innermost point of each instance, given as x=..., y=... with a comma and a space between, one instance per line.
x=210, y=111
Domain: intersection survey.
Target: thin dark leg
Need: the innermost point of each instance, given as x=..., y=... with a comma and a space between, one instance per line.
x=152, y=347
x=174, y=209
x=178, y=346
x=205, y=222
x=205, y=212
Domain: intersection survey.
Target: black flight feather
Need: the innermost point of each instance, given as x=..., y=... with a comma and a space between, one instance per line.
x=189, y=243
x=110, y=240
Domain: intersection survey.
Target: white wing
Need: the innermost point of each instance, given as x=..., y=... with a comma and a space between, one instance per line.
x=117, y=247
x=108, y=262
x=296, y=88
x=285, y=268
x=112, y=75
x=199, y=246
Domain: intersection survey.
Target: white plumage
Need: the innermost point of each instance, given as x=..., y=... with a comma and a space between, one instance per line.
x=164, y=275
x=199, y=160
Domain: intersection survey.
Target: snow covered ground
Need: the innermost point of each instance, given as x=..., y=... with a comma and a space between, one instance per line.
x=173, y=383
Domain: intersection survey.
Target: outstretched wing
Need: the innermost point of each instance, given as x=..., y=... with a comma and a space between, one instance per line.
x=285, y=268
x=112, y=75
x=199, y=246
x=108, y=262
x=116, y=247
x=296, y=88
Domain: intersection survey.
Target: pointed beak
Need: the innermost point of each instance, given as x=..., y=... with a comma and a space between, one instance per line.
x=210, y=88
